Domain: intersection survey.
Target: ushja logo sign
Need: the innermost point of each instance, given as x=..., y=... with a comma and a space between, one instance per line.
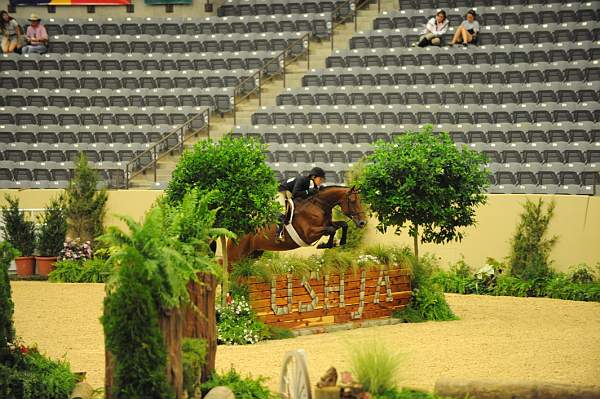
x=330, y=298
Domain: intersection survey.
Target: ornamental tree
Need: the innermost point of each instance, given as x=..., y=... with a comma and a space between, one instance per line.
x=424, y=180
x=243, y=187
x=7, y=329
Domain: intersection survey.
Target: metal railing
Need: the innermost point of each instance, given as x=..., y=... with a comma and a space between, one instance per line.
x=167, y=145
x=252, y=84
x=345, y=11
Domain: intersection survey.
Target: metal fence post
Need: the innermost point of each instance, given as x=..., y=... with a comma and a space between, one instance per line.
x=308, y=54
x=155, y=161
x=282, y=64
x=353, y=7
x=127, y=176
x=259, y=87
x=332, y=31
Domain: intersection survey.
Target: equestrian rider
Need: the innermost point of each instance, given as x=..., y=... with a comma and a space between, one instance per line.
x=297, y=187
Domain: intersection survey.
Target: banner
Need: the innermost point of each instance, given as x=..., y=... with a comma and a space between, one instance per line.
x=70, y=2
x=159, y=2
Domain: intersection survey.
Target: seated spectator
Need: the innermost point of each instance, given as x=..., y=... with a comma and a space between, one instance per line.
x=467, y=31
x=11, y=32
x=36, y=37
x=434, y=29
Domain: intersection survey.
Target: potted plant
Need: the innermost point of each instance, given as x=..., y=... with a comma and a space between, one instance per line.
x=51, y=236
x=20, y=233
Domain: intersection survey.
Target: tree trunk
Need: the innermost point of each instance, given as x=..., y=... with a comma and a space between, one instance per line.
x=416, y=241
x=202, y=321
x=225, y=285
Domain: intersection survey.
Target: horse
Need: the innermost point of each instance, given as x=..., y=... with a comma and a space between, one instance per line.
x=312, y=220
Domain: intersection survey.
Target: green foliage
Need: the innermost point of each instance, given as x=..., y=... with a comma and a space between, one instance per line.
x=582, y=273
x=424, y=179
x=33, y=376
x=85, y=205
x=237, y=324
x=563, y=287
x=375, y=367
x=193, y=352
x=243, y=388
x=407, y=394
x=530, y=251
x=132, y=333
x=52, y=228
x=7, y=329
x=89, y=271
x=17, y=230
x=274, y=332
x=243, y=186
x=190, y=224
x=427, y=301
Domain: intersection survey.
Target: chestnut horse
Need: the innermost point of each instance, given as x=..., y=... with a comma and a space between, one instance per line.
x=312, y=220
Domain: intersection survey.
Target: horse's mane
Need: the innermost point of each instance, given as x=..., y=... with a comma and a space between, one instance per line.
x=323, y=188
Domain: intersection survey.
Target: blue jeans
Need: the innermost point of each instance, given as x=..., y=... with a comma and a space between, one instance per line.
x=38, y=48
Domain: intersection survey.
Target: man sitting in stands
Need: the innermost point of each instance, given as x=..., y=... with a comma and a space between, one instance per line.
x=36, y=37
x=298, y=187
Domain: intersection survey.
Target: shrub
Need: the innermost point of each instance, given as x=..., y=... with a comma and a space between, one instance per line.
x=407, y=394
x=427, y=301
x=583, y=273
x=237, y=324
x=375, y=367
x=530, y=251
x=193, y=351
x=17, y=230
x=85, y=205
x=243, y=388
x=7, y=329
x=274, y=332
x=52, y=228
x=30, y=375
x=425, y=181
x=66, y=271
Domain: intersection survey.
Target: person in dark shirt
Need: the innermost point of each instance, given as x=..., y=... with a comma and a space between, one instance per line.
x=299, y=187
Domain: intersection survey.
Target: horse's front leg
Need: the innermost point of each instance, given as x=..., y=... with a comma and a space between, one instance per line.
x=344, y=226
x=328, y=231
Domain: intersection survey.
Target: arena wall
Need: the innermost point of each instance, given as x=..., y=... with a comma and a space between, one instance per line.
x=576, y=223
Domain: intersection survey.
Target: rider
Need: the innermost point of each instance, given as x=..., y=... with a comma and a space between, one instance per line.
x=298, y=187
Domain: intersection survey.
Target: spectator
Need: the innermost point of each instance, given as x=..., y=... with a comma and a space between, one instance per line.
x=434, y=29
x=11, y=32
x=467, y=31
x=36, y=37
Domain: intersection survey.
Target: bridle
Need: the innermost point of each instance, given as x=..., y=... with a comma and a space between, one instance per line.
x=328, y=206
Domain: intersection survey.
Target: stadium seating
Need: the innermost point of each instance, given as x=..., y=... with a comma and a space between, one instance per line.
x=526, y=95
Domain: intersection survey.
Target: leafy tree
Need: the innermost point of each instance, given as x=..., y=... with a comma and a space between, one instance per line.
x=86, y=206
x=530, y=252
x=424, y=179
x=17, y=230
x=243, y=186
x=53, y=228
x=7, y=329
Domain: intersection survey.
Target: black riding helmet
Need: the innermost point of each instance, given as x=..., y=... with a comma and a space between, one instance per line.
x=317, y=172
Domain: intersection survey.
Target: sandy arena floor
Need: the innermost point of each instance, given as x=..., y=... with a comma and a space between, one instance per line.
x=500, y=337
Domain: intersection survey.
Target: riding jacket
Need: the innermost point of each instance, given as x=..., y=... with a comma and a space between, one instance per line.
x=300, y=187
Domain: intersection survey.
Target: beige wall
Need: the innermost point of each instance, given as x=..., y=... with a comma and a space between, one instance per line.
x=196, y=9
x=576, y=222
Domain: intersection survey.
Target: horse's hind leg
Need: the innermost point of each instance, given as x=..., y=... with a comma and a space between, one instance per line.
x=329, y=231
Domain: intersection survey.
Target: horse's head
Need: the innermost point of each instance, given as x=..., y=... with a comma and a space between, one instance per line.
x=351, y=207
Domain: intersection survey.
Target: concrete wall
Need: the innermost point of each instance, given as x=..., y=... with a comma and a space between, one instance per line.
x=576, y=223
x=196, y=9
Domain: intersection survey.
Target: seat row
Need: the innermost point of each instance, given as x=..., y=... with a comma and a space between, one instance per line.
x=99, y=116
x=44, y=158
x=22, y=178
x=23, y=136
x=389, y=57
x=216, y=98
x=155, y=44
x=415, y=114
x=401, y=19
x=316, y=23
x=271, y=7
x=442, y=94
x=428, y=4
x=416, y=76
x=516, y=36
x=148, y=62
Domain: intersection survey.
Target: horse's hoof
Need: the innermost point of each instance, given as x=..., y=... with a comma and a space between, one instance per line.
x=323, y=246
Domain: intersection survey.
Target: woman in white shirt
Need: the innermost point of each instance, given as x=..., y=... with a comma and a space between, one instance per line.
x=467, y=31
x=434, y=29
